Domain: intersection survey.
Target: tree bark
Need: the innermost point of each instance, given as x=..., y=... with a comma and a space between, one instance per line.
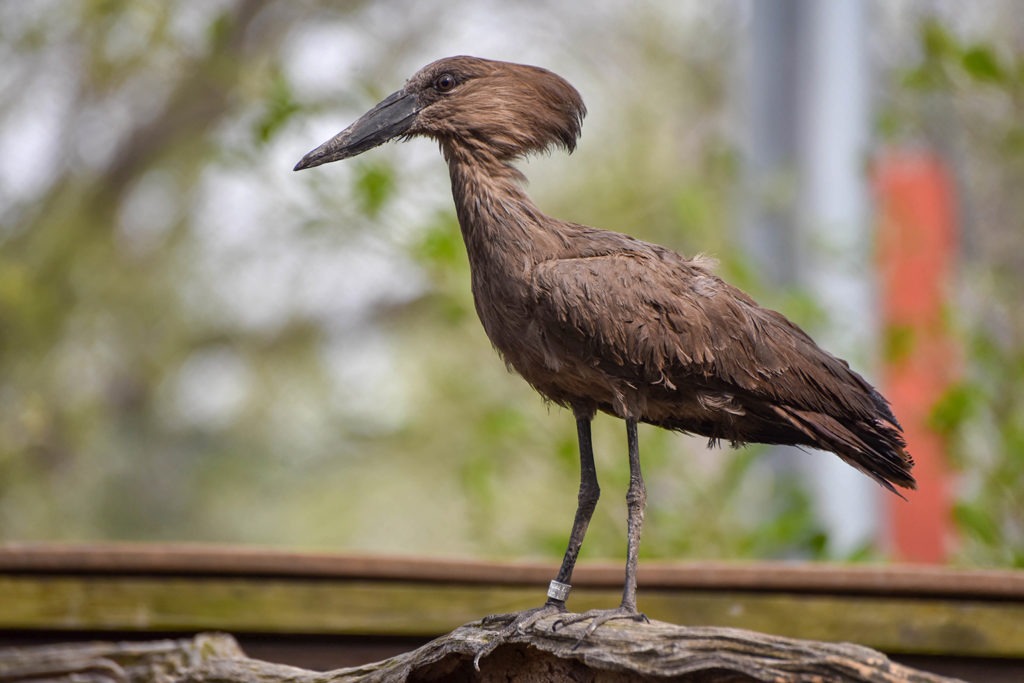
x=617, y=651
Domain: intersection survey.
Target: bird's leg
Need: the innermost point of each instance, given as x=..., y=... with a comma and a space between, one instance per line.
x=559, y=588
x=636, y=501
x=586, y=503
x=589, y=492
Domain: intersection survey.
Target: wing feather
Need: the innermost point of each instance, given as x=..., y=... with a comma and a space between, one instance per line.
x=653, y=314
x=735, y=370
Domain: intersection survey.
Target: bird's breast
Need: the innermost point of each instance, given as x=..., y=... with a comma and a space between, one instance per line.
x=567, y=377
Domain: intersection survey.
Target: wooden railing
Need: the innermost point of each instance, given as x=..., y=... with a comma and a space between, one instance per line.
x=322, y=610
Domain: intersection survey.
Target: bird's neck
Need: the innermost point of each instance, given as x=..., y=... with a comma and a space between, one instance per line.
x=500, y=224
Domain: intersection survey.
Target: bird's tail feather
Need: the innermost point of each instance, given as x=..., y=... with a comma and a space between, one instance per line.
x=876, y=448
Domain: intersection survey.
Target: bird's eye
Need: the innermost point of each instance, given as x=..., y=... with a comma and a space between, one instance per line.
x=445, y=83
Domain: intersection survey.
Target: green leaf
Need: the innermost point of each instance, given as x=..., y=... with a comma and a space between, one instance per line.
x=975, y=523
x=898, y=342
x=440, y=244
x=981, y=63
x=374, y=186
x=954, y=408
x=923, y=78
x=940, y=49
x=280, y=107
x=937, y=42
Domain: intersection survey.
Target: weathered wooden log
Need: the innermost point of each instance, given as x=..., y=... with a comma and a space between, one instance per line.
x=618, y=651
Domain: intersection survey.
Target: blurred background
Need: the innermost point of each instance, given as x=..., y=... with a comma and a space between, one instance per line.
x=197, y=344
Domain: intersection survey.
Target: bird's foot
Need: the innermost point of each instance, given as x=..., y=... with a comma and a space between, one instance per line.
x=515, y=623
x=597, y=617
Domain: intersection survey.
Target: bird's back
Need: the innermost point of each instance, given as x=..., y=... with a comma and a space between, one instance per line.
x=637, y=330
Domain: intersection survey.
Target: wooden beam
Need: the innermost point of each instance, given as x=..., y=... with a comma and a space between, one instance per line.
x=143, y=559
x=913, y=610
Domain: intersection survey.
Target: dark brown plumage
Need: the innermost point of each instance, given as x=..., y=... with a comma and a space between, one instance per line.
x=597, y=320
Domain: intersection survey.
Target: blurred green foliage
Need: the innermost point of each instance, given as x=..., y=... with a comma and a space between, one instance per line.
x=967, y=100
x=197, y=344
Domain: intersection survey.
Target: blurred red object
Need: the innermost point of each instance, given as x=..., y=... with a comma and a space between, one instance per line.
x=917, y=245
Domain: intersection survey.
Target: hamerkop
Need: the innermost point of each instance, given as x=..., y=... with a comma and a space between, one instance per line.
x=597, y=320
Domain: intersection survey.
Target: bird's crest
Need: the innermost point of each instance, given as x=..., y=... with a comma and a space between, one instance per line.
x=508, y=110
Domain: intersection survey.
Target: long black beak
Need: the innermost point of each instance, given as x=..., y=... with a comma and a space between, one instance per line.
x=392, y=117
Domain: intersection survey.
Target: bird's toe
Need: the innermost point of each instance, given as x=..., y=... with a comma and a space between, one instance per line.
x=598, y=617
x=511, y=624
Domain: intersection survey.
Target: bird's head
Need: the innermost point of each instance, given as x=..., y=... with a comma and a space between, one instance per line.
x=507, y=110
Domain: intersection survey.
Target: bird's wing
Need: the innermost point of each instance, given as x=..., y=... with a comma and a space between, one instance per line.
x=648, y=316
x=656, y=316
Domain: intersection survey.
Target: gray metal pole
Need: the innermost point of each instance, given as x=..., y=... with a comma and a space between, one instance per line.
x=770, y=87
x=833, y=221
x=805, y=216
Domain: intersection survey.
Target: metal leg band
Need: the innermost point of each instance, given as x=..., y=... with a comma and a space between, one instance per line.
x=558, y=590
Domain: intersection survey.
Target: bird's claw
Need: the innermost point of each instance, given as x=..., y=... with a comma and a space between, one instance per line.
x=597, y=617
x=515, y=623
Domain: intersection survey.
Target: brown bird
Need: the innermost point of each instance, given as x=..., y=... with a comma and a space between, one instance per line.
x=597, y=320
